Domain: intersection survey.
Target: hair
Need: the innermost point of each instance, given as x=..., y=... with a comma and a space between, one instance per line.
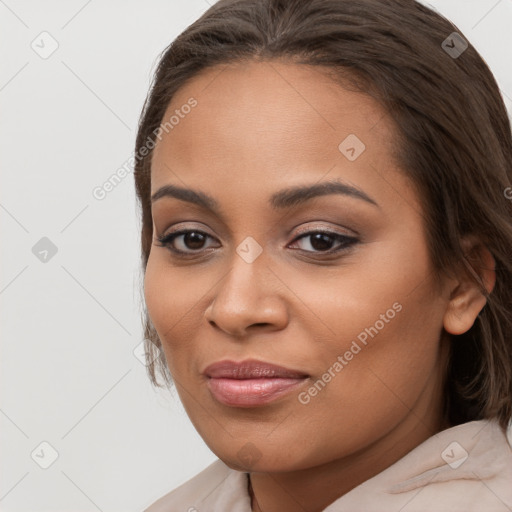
x=453, y=140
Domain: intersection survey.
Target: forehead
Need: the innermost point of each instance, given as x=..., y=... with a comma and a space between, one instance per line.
x=269, y=122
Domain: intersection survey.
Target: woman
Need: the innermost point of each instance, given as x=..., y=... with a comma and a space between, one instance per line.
x=326, y=241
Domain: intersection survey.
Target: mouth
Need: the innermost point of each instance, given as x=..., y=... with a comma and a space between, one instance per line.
x=251, y=383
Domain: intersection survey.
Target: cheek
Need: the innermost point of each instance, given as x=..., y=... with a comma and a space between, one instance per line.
x=384, y=320
x=376, y=384
x=172, y=293
x=175, y=299
x=168, y=299
x=159, y=295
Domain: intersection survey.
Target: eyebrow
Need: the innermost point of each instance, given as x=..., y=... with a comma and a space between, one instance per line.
x=285, y=198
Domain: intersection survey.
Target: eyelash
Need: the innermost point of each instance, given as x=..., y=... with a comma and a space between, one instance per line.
x=346, y=241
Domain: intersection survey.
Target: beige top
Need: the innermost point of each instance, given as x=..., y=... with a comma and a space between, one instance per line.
x=467, y=468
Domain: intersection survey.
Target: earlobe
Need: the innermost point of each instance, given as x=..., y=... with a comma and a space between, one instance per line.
x=467, y=298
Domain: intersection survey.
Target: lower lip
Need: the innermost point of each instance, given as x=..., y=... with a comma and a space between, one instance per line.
x=251, y=392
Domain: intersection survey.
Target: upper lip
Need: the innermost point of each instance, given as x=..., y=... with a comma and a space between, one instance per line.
x=250, y=369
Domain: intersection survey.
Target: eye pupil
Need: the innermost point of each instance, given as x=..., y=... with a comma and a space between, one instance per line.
x=321, y=241
x=194, y=240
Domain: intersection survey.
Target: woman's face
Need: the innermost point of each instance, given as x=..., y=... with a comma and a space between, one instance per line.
x=355, y=311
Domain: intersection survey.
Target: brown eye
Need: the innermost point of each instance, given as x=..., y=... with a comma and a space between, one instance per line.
x=185, y=241
x=323, y=241
x=194, y=240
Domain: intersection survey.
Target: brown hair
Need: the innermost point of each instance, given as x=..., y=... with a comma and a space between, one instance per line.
x=454, y=142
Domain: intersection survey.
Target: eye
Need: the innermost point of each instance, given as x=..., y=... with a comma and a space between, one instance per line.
x=185, y=241
x=189, y=242
x=323, y=241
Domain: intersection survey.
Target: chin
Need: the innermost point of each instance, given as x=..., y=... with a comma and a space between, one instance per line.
x=250, y=459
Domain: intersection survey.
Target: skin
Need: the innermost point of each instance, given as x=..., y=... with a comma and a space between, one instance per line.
x=260, y=127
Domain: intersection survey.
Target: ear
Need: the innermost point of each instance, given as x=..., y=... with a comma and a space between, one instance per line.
x=466, y=297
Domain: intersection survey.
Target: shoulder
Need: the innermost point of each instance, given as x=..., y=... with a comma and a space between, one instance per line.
x=216, y=485
x=465, y=468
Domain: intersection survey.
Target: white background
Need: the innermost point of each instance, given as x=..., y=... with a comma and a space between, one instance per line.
x=69, y=326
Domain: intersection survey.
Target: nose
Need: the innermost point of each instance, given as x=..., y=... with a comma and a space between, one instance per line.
x=249, y=298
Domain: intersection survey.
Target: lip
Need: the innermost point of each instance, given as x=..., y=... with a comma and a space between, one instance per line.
x=250, y=369
x=251, y=383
